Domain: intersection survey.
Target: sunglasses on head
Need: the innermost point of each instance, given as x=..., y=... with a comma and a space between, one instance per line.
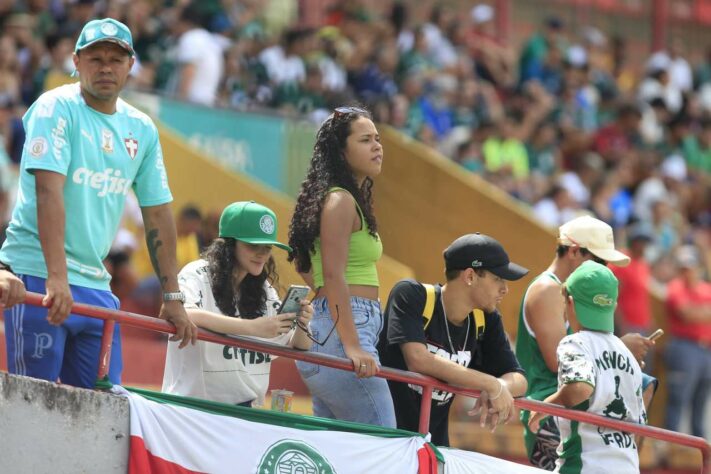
x=306, y=330
x=339, y=112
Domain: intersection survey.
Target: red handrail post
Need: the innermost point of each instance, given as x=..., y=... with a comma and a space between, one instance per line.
x=660, y=17
x=503, y=20
x=105, y=355
x=425, y=409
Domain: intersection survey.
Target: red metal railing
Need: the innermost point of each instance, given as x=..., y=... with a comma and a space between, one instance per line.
x=427, y=383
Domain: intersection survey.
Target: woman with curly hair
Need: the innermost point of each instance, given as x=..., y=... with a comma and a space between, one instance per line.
x=230, y=291
x=335, y=245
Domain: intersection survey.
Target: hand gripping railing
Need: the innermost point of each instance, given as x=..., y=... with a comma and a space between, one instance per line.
x=427, y=383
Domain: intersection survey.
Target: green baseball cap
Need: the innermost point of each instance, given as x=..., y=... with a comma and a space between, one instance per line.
x=250, y=222
x=594, y=291
x=107, y=29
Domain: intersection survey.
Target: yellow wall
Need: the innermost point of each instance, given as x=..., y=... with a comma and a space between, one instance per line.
x=424, y=202
x=199, y=180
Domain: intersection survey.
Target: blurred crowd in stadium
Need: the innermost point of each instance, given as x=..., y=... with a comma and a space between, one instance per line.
x=563, y=123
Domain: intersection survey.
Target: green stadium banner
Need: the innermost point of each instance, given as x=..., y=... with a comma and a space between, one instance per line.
x=273, y=150
x=300, y=137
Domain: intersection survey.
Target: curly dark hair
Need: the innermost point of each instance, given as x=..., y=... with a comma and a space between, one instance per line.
x=250, y=298
x=328, y=168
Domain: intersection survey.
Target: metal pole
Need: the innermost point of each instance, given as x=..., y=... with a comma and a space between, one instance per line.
x=425, y=408
x=660, y=18
x=503, y=20
x=107, y=337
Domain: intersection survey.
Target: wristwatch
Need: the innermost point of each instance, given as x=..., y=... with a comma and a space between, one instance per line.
x=174, y=296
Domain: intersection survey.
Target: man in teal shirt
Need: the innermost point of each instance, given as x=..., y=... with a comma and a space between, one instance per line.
x=85, y=150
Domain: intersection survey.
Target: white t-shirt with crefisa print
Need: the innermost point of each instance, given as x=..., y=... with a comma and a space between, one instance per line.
x=215, y=371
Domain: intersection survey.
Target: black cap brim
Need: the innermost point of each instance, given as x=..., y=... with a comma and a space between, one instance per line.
x=510, y=271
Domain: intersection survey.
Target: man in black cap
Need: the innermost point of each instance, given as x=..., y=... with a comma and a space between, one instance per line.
x=454, y=332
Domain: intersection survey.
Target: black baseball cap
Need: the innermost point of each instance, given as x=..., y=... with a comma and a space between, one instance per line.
x=481, y=251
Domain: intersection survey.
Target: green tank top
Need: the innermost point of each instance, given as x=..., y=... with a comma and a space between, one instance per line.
x=364, y=251
x=541, y=381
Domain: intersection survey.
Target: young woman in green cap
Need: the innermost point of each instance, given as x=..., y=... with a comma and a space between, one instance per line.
x=229, y=290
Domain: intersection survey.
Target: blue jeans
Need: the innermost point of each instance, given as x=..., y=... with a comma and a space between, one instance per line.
x=339, y=394
x=69, y=351
x=688, y=381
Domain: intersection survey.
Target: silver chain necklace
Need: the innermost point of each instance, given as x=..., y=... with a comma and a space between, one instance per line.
x=446, y=327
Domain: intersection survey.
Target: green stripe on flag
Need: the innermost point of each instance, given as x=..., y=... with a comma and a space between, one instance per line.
x=288, y=420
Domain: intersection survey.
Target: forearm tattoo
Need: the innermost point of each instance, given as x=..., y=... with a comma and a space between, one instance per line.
x=154, y=243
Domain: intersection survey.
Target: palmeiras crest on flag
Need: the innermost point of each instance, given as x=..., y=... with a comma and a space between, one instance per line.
x=288, y=456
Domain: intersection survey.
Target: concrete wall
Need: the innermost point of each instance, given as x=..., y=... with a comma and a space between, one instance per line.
x=45, y=427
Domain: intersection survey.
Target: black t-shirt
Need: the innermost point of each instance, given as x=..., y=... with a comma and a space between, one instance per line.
x=490, y=352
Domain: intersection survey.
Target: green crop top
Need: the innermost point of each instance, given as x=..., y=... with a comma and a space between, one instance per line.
x=363, y=251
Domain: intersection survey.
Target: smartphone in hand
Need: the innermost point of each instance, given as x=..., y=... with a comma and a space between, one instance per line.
x=292, y=301
x=656, y=335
